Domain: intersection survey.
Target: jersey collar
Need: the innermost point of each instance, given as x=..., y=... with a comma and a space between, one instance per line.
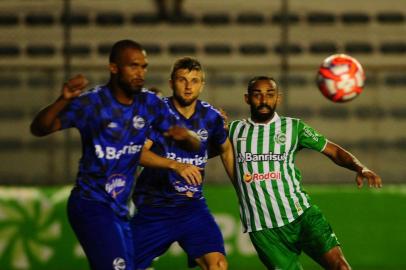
x=273, y=119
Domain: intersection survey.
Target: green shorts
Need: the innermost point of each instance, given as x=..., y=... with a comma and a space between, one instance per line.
x=279, y=248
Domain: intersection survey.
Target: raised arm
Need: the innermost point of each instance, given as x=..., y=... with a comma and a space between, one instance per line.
x=186, y=139
x=345, y=159
x=189, y=172
x=47, y=121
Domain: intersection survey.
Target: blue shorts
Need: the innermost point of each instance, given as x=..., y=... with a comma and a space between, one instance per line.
x=105, y=237
x=192, y=226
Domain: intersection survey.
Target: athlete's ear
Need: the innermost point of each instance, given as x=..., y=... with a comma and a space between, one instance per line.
x=280, y=99
x=247, y=99
x=171, y=84
x=201, y=88
x=113, y=68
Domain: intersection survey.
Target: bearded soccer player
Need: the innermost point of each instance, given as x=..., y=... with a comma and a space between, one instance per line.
x=113, y=121
x=169, y=209
x=275, y=210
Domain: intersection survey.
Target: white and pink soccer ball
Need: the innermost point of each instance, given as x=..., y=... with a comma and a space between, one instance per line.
x=340, y=78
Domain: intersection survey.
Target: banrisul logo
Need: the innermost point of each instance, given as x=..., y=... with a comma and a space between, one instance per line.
x=248, y=157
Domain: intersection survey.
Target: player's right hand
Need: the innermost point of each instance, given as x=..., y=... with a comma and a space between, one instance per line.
x=189, y=172
x=373, y=179
x=74, y=87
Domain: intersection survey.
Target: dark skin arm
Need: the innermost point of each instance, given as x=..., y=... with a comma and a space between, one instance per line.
x=188, y=172
x=185, y=138
x=47, y=121
x=345, y=159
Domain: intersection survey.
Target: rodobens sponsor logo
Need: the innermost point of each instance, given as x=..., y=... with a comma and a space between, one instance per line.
x=274, y=175
x=115, y=184
x=248, y=157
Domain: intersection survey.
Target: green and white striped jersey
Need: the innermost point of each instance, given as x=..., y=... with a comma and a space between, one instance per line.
x=269, y=185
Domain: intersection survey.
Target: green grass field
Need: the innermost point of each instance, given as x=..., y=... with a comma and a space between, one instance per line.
x=370, y=225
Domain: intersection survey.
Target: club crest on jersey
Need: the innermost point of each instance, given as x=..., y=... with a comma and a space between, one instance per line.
x=119, y=264
x=115, y=185
x=138, y=122
x=280, y=138
x=203, y=134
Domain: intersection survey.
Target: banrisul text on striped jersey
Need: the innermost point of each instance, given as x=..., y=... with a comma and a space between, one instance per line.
x=248, y=157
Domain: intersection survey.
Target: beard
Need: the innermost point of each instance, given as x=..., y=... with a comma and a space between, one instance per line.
x=260, y=116
x=128, y=88
x=184, y=102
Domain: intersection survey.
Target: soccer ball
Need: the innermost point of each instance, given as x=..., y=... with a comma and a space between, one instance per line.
x=340, y=78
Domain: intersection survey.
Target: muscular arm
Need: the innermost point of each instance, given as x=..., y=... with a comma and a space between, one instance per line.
x=189, y=172
x=227, y=157
x=345, y=159
x=47, y=121
x=185, y=138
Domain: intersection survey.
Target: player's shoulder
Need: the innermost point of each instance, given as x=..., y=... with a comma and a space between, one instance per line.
x=238, y=122
x=207, y=109
x=289, y=118
x=93, y=92
x=92, y=96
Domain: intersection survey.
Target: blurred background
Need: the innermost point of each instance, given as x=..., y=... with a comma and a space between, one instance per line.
x=45, y=42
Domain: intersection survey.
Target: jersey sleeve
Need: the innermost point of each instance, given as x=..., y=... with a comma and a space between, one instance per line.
x=310, y=138
x=164, y=116
x=219, y=133
x=74, y=114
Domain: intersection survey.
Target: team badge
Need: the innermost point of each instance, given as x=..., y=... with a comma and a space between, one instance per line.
x=280, y=138
x=203, y=134
x=119, y=264
x=138, y=122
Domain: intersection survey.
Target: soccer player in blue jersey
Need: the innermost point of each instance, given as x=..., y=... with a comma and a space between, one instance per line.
x=168, y=208
x=113, y=121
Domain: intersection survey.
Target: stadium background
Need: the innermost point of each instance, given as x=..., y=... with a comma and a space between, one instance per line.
x=44, y=42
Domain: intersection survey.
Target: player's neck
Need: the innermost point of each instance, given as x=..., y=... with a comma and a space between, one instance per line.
x=186, y=110
x=120, y=95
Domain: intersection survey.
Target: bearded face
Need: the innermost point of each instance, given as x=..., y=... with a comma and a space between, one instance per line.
x=262, y=99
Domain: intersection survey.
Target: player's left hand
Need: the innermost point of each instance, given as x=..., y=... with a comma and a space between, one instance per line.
x=373, y=179
x=189, y=172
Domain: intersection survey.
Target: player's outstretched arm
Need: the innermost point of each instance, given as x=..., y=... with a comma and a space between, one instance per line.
x=46, y=121
x=343, y=158
x=187, y=139
x=189, y=172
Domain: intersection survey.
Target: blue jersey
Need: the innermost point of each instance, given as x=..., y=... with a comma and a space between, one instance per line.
x=165, y=187
x=113, y=135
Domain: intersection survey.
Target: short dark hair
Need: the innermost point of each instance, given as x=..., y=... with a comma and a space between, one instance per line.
x=252, y=81
x=121, y=45
x=186, y=62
